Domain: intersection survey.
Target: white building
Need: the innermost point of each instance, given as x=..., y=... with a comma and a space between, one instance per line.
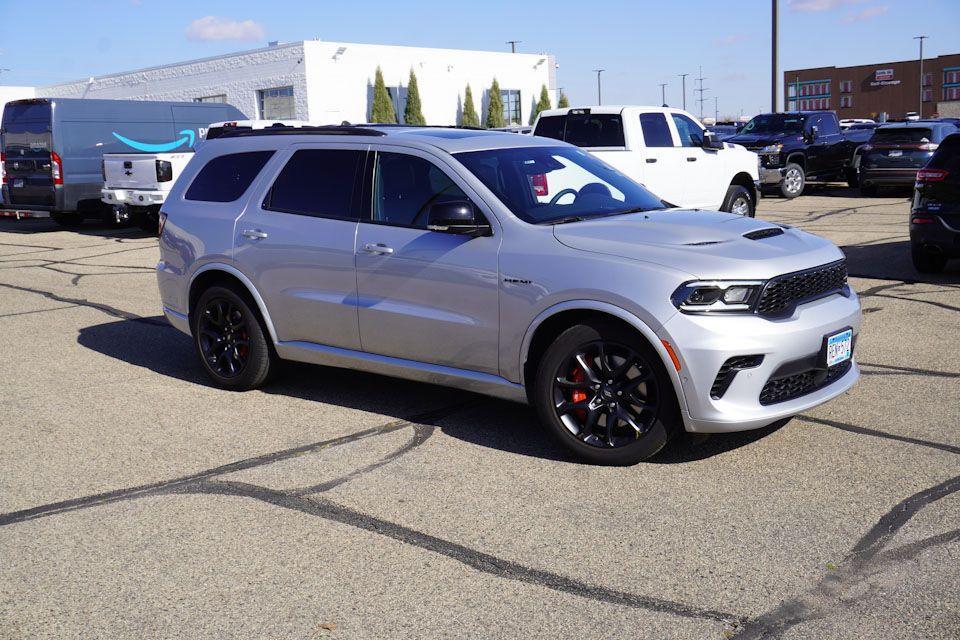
x=330, y=82
x=8, y=93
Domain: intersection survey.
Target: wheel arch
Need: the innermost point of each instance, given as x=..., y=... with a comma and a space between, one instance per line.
x=553, y=321
x=745, y=180
x=218, y=272
x=797, y=157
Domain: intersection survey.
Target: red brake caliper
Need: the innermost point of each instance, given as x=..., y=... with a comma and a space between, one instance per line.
x=578, y=395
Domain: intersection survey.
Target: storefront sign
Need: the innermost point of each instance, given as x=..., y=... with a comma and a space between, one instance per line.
x=883, y=74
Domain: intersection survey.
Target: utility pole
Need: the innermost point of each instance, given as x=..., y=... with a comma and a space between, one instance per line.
x=774, y=81
x=599, y=97
x=701, y=99
x=716, y=111
x=921, y=39
x=663, y=93
x=684, y=77
x=513, y=45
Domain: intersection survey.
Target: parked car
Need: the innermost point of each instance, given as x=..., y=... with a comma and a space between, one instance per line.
x=135, y=185
x=664, y=149
x=798, y=146
x=895, y=152
x=216, y=129
x=935, y=214
x=53, y=147
x=441, y=255
x=723, y=131
x=846, y=123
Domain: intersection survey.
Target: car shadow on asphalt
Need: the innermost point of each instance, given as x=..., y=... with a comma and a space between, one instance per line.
x=891, y=261
x=87, y=228
x=483, y=421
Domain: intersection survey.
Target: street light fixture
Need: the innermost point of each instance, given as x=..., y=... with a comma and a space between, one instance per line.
x=599, y=97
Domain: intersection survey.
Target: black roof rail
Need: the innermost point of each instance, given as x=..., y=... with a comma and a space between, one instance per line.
x=326, y=130
x=397, y=125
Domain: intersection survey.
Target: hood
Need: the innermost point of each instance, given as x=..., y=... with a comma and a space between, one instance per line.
x=705, y=244
x=754, y=140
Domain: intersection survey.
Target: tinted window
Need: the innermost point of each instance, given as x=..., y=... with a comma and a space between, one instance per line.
x=594, y=130
x=656, y=133
x=894, y=135
x=828, y=125
x=317, y=182
x=691, y=135
x=225, y=178
x=406, y=186
x=775, y=123
x=947, y=155
x=550, y=127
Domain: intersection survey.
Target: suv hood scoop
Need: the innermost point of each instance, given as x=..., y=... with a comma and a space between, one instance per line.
x=704, y=243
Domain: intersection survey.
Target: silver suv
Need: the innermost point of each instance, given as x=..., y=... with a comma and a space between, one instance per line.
x=513, y=266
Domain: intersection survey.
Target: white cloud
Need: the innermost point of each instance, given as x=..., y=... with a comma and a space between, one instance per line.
x=865, y=14
x=818, y=5
x=211, y=28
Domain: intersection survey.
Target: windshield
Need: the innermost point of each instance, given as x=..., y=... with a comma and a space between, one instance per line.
x=775, y=123
x=552, y=184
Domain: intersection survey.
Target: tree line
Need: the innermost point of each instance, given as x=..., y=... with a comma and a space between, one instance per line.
x=382, y=111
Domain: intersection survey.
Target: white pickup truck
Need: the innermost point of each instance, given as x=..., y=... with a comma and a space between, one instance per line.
x=666, y=150
x=137, y=184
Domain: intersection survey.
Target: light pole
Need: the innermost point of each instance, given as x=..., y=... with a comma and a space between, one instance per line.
x=599, y=97
x=716, y=111
x=773, y=58
x=663, y=93
x=684, y=77
x=513, y=45
x=921, y=39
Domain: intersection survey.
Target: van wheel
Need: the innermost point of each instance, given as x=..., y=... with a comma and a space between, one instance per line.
x=230, y=340
x=927, y=261
x=605, y=395
x=69, y=220
x=739, y=201
x=793, y=180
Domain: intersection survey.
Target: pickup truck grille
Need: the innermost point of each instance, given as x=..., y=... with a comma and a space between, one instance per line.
x=783, y=293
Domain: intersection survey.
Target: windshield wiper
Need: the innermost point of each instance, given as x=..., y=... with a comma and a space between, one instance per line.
x=563, y=220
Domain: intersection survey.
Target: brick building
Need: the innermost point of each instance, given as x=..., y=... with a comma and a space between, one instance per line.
x=869, y=90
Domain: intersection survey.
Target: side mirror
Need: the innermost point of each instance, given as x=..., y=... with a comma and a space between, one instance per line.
x=711, y=141
x=456, y=217
x=814, y=132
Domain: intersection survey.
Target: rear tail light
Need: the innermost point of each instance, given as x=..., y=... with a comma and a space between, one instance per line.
x=539, y=182
x=922, y=220
x=163, y=221
x=164, y=171
x=931, y=175
x=56, y=168
x=929, y=146
x=3, y=167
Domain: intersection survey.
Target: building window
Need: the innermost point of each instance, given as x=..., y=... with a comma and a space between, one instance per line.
x=846, y=86
x=846, y=101
x=511, y=105
x=951, y=93
x=928, y=95
x=927, y=79
x=276, y=104
x=951, y=75
x=220, y=97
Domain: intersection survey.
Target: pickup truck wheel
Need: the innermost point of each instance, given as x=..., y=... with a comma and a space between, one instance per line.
x=926, y=261
x=605, y=395
x=230, y=340
x=793, y=181
x=739, y=201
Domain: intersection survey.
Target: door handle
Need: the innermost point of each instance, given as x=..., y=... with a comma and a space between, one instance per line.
x=378, y=248
x=691, y=159
x=651, y=160
x=253, y=234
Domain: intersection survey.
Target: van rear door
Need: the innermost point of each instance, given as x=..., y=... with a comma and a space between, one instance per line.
x=32, y=167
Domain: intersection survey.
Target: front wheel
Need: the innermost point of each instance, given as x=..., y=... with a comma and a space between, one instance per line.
x=793, y=180
x=739, y=201
x=604, y=394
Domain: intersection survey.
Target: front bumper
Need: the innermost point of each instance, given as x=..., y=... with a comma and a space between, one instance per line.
x=770, y=176
x=132, y=197
x=705, y=343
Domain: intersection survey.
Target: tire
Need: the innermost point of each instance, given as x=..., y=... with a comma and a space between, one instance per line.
x=925, y=261
x=869, y=190
x=656, y=421
x=853, y=177
x=68, y=220
x=739, y=201
x=794, y=181
x=223, y=312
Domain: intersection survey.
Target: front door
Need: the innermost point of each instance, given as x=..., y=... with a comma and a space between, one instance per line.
x=297, y=245
x=702, y=172
x=424, y=295
x=663, y=170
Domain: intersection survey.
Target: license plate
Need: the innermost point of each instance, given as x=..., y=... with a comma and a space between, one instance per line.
x=839, y=347
x=18, y=183
x=895, y=153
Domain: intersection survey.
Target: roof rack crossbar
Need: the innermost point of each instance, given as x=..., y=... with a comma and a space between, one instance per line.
x=335, y=130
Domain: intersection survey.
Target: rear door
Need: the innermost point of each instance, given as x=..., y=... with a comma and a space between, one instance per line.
x=663, y=164
x=27, y=150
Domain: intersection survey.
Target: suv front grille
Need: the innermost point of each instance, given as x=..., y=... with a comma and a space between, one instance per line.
x=783, y=293
x=800, y=384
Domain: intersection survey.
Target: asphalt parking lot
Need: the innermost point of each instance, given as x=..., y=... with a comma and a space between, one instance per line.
x=136, y=501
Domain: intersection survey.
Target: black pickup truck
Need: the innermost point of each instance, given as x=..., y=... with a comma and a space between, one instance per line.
x=797, y=146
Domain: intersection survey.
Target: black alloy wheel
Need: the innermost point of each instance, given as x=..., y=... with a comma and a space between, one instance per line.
x=223, y=338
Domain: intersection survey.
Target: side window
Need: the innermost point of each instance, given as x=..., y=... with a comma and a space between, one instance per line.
x=814, y=121
x=406, y=186
x=691, y=135
x=550, y=127
x=317, y=182
x=828, y=125
x=656, y=133
x=225, y=178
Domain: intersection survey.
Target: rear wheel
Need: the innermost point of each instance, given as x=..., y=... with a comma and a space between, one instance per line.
x=230, y=340
x=739, y=201
x=926, y=260
x=603, y=392
x=793, y=180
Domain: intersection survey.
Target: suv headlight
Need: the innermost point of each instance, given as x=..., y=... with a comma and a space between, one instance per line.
x=772, y=148
x=717, y=296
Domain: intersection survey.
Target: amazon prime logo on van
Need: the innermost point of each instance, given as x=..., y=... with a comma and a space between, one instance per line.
x=187, y=138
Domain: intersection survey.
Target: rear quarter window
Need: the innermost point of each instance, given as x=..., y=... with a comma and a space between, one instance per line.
x=550, y=127
x=225, y=178
x=594, y=130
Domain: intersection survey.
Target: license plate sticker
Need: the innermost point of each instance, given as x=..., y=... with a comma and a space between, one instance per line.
x=839, y=347
x=895, y=153
x=18, y=183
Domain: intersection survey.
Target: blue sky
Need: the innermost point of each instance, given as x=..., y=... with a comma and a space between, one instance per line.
x=639, y=43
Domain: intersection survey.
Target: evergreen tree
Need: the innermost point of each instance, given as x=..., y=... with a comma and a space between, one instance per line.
x=563, y=103
x=470, y=117
x=382, y=111
x=412, y=113
x=542, y=105
x=495, y=107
